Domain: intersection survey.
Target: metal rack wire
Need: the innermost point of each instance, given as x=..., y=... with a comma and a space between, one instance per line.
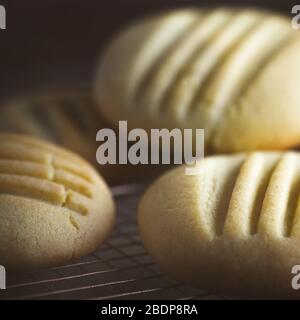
x=121, y=269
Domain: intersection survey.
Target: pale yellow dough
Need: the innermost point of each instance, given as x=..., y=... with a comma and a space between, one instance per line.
x=233, y=72
x=233, y=229
x=54, y=207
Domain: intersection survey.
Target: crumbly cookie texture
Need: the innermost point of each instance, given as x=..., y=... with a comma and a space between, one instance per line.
x=232, y=229
x=54, y=207
x=234, y=73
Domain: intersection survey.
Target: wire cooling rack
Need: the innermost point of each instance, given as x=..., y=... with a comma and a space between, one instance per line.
x=120, y=269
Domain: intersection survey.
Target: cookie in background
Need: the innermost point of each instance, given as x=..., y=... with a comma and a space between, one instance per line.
x=232, y=72
x=68, y=118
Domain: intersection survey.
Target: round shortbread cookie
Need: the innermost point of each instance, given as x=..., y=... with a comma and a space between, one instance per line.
x=232, y=72
x=54, y=207
x=233, y=229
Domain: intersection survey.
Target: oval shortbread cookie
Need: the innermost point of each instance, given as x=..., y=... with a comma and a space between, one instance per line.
x=234, y=73
x=232, y=229
x=54, y=207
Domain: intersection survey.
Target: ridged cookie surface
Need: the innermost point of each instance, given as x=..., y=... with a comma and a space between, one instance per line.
x=232, y=229
x=68, y=118
x=227, y=71
x=54, y=207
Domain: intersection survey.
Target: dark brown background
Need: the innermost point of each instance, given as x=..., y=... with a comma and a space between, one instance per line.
x=57, y=41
